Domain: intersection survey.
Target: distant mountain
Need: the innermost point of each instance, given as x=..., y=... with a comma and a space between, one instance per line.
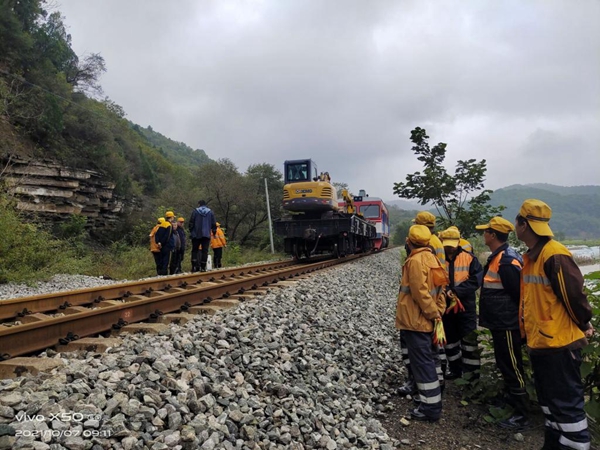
x=575, y=209
x=408, y=205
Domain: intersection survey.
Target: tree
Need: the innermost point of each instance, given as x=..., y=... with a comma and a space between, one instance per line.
x=453, y=196
x=339, y=187
x=84, y=77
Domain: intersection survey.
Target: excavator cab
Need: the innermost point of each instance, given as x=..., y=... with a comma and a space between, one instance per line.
x=306, y=190
x=300, y=170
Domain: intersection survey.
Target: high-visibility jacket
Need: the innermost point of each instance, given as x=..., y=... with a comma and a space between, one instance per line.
x=501, y=290
x=153, y=245
x=465, y=274
x=438, y=249
x=217, y=240
x=421, y=298
x=555, y=308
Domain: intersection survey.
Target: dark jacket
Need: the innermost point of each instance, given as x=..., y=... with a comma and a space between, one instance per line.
x=202, y=223
x=163, y=236
x=501, y=290
x=466, y=284
x=181, y=233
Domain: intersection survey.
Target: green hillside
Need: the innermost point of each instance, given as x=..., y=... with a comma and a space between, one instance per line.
x=177, y=152
x=575, y=210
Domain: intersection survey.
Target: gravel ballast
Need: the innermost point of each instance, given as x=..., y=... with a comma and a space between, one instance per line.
x=306, y=366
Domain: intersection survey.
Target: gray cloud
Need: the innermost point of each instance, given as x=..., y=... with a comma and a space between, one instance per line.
x=513, y=82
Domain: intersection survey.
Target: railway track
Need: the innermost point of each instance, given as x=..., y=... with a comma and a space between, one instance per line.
x=59, y=318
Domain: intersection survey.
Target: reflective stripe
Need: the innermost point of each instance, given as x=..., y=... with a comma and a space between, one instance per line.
x=431, y=400
x=492, y=279
x=546, y=410
x=405, y=289
x=406, y=361
x=472, y=362
x=572, y=444
x=405, y=351
x=492, y=285
x=492, y=275
x=551, y=424
x=573, y=427
x=534, y=279
x=455, y=344
x=435, y=291
x=428, y=386
x=443, y=356
x=469, y=348
x=454, y=357
x=513, y=359
x=461, y=268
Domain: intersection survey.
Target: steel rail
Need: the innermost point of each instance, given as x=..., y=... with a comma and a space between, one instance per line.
x=18, y=307
x=28, y=338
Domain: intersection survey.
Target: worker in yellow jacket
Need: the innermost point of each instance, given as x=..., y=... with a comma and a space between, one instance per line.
x=154, y=248
x=420, y=303
x=217, y=242
x=555, y=318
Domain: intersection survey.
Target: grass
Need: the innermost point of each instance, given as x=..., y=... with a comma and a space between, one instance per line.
x=29, y=254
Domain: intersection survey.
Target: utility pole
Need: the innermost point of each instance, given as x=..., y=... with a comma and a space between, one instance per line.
x=269, y=216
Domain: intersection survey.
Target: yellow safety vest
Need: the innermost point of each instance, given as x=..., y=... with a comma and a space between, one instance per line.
x=545, y=319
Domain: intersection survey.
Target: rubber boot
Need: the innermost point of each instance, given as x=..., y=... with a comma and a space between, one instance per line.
x=409, y=387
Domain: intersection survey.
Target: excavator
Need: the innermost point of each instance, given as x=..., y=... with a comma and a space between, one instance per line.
x=314, y=222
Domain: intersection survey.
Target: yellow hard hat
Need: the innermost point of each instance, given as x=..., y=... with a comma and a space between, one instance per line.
x=419, y=235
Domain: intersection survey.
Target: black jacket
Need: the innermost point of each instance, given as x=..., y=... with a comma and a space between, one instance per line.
x=499, y=307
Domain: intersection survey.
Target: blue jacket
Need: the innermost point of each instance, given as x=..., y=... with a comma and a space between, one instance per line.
x=202, y=223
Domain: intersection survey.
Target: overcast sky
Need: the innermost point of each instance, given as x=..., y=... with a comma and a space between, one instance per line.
x=344, y=82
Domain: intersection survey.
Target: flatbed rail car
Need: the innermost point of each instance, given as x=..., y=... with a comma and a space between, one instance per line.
x=340, y=234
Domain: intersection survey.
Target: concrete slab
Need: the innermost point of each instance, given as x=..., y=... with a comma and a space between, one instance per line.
x=177, y=318
x=17, y=367
x=256, y=292
x=31, y=318
x=98, y=345
x=224, y=303
x=144, y=328
x=134, y=298
x=75, y=310
x=106, y=303
x=205, y=309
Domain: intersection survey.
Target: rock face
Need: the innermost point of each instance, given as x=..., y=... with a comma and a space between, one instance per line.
x=55, y=192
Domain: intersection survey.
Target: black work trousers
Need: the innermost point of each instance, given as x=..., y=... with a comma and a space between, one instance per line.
x=157, y=261
x=559, y=388
x=175, y=264
x=439, y=356
x=218, y=252
x=199, y=257
x=422, y=363
x=163, y=265
x=509, y=359
x=462, y=348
